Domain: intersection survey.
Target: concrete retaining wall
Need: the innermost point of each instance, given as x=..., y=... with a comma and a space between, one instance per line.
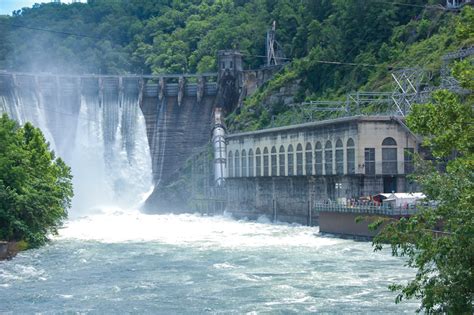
x=288, y=199
x=345, y=224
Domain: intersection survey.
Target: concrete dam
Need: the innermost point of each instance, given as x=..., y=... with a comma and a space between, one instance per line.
x=177, y=113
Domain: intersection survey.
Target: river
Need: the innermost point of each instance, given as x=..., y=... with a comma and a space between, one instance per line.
x=127, y=262
x=114, y=259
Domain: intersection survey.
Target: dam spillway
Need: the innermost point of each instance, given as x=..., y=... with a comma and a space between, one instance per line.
x=176, y=111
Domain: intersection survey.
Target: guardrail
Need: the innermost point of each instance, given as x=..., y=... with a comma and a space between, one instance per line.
x=365, y=209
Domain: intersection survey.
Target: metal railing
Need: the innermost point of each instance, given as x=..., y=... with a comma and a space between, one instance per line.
x=365, y=208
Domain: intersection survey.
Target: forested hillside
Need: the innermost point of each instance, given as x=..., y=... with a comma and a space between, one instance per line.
x=366, y=39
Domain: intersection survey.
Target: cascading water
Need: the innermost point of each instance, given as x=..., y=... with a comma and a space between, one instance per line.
x=111, y=160
x=100, y=134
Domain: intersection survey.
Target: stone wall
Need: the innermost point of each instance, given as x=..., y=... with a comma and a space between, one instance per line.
x=291, y=199
x=251, y=80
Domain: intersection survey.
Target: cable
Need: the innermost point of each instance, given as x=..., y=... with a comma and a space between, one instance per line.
x=333, y=62
x=51, y=31
x=261, y=56
x=352, y=64
x=435, y=7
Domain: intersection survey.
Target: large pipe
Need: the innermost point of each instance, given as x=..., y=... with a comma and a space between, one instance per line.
x=218, y=143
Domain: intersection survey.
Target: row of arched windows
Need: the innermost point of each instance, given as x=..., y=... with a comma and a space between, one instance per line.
x=289, y=162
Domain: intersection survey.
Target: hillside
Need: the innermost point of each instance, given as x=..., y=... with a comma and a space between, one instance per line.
x=421, y=43
x=366, y=40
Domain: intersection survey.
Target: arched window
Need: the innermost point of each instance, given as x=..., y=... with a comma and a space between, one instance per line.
x=282, y=161
x=309, y=159
x=290, y=161
x=299, y=159
x=251, y=163
x=389, y=141
x=265, y=162
x=339, y=157
x=318, y=159
x=237, y=163
x=230, y=166
x=274, y=162
x=389, y=156
x=350, y=155
x=244, y=163
x=258, y=162
x=328, y=158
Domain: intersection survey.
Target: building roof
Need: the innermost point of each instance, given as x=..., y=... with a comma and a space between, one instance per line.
x=359, y=118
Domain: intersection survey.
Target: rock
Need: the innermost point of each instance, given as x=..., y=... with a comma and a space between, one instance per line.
x=8, y=249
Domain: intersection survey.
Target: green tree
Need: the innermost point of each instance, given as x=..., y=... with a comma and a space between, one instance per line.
x=439, y=240
x=35, y=186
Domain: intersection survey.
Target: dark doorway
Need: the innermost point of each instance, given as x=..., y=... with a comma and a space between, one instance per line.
x=389, y=184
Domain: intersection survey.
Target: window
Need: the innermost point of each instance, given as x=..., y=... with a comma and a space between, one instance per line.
x=282, y=161
x=230, y=166
x=350, y=156
x=251, y=163
x=237, y=164
x=258, y=162
x=389, y=156
x=274, y=162
x=408, y=160
x=309, y=159
x=369, y=161
x=265, y=162
x=389, y=141
x=290, y=161
x=339, y=157
x=328, y=158
x=318, y=159
x=231, y=65
x=244, y=163
x=299, y=159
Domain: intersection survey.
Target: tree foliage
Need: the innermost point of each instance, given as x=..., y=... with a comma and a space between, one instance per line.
x=439, y=241
x=35, y=186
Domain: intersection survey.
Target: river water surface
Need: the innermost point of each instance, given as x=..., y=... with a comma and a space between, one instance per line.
x=128, y=262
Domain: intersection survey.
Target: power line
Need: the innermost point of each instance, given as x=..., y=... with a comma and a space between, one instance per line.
x=50, y=31
x=435, y=7
x=352, y=64
x=333, y=62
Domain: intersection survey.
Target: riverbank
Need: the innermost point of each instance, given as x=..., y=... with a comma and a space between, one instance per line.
x=9, y=250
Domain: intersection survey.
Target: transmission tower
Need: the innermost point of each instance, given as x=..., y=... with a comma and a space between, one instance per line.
x=457, y=4
x=273, y=48
x=447, y=80
x=407, y=87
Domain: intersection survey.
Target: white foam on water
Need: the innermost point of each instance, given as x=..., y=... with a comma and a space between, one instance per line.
x=115, y=225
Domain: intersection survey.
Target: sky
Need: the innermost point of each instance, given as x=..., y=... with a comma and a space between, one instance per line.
x=8, y=6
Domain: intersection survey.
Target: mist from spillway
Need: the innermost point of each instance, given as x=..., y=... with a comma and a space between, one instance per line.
x=102, y=139
x=110, y=172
